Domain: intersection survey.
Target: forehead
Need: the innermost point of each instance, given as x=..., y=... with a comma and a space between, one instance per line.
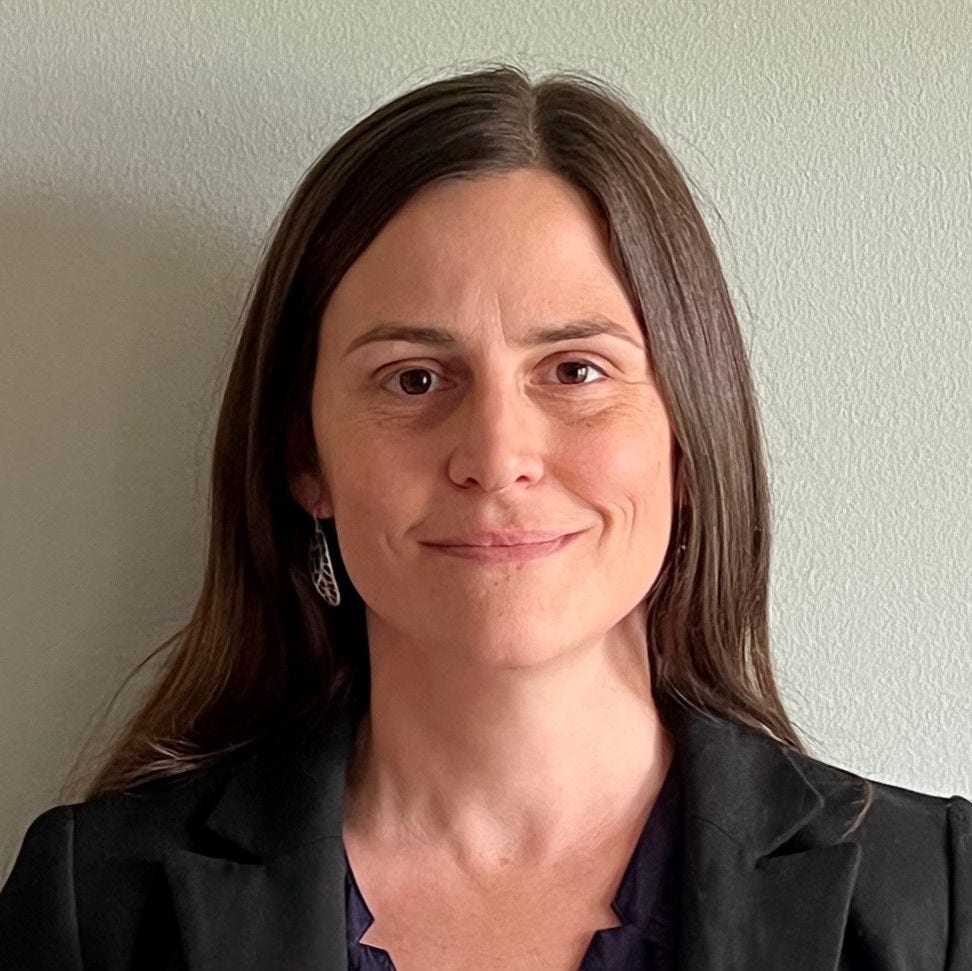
x=523, y=245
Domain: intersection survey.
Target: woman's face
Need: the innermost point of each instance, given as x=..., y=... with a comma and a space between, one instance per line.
x=482, y=422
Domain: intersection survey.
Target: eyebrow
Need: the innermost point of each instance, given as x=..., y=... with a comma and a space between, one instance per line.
x=393, y=330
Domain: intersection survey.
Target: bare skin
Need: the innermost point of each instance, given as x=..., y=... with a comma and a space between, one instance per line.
x=512, y=751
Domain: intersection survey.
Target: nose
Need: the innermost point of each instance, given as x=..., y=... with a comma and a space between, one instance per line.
x=498, y=437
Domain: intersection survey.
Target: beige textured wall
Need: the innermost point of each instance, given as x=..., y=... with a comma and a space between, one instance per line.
x=146, y=147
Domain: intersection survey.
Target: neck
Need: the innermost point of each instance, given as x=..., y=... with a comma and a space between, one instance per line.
x=493, y=766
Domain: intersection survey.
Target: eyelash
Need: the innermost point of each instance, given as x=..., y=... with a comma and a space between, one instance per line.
x=418, y=367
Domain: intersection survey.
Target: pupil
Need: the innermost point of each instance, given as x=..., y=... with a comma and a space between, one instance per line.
x=574, y=367
x=404, y=380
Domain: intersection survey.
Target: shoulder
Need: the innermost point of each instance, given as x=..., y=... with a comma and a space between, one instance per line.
x=86, y=866
x=141, y=822
x=158, y=814
x=164, y=813
x=915, y=864
x=150, y=817
x=894, y=816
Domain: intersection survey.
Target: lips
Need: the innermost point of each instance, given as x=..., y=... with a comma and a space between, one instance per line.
x=500, y=554
x=525, y=537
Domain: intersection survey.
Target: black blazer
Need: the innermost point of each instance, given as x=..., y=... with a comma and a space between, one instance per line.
x=241, y=866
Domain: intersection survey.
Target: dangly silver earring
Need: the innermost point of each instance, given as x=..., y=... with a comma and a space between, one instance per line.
x=321, y=568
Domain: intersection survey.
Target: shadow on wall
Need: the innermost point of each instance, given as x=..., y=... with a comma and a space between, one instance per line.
x=118, y=328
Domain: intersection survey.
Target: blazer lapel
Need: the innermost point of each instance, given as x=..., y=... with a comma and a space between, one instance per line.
x=767, y=881
x=268, y=889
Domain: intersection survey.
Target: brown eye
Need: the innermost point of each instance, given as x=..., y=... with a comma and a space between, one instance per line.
x=414, y=381
x=577, y=371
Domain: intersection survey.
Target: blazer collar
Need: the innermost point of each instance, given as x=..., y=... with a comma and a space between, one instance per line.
x=766, y=880
x=265, y=887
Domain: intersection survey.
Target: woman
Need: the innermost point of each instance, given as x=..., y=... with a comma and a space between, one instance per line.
x=479, y=676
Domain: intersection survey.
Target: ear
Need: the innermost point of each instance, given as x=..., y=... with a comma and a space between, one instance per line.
x=307, y=488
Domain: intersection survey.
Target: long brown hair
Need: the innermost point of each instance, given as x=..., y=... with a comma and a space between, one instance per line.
x=261, y=645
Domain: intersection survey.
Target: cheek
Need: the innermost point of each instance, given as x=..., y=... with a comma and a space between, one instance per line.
x=632, y=457
x=368, y=491
x=381, y=485
x=368, y=512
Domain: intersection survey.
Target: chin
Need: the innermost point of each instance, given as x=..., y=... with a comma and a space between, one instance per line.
x=515, y=650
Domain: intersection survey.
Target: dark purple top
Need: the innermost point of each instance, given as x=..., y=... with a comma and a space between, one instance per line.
x=646, y=902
